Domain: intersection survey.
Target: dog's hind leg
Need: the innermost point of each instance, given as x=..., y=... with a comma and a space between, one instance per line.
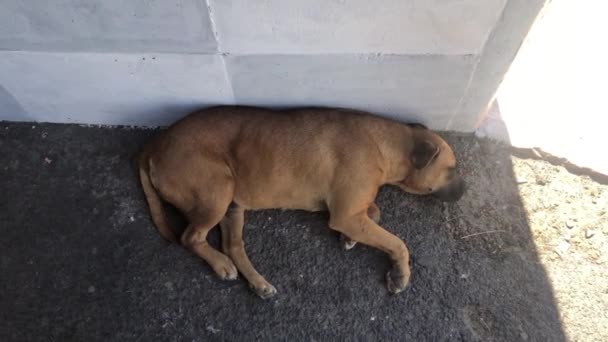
x=234, y=246
x=206, y=215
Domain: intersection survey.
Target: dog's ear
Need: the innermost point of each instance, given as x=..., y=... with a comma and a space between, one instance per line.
x=417, y=125
x=423, y=154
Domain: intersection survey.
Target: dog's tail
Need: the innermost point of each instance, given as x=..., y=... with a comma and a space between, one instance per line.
x=154, y=201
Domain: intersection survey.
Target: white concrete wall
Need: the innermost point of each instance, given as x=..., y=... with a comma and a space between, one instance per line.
x=147, y=62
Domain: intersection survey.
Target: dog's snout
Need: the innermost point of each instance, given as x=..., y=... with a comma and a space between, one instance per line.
x=451, y=192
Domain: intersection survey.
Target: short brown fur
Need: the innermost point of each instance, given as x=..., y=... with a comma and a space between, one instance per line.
x=216, y=163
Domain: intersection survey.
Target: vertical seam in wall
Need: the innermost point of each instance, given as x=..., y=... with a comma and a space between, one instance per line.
x=228, y=79
x=219, y=50
x=480, y=55
x=464, y=93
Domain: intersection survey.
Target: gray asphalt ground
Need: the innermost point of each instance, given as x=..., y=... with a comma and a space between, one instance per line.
x=81, y=260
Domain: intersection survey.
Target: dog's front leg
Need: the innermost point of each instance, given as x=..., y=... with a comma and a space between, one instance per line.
x=234, y=247
x=359, y=227
x=374, y=213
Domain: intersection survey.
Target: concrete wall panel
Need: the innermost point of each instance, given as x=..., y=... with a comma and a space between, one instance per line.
x=108, y=25
x=434, y=61
x=354, y=26
x=421, y=88
x=152, y=89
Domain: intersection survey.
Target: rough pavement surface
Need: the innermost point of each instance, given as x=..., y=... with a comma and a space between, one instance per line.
x=81, y=260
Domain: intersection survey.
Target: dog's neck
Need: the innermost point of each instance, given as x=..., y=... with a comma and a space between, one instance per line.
x=395, y=146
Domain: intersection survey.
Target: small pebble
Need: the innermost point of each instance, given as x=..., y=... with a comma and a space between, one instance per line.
x=569, y=224
x=589, y=233
x=373, y=318
x=91, y=289
x=212, y=330
x=562, y=248
x=602, y=259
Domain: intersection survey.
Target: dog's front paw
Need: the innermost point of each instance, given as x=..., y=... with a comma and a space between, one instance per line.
x=346, y=242
x=397, y=281
x=265, y=291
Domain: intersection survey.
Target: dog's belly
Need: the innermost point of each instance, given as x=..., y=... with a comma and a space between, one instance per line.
x=286, y=178
x=273, y=197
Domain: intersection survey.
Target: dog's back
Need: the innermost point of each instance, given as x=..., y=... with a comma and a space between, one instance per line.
x=276, y=158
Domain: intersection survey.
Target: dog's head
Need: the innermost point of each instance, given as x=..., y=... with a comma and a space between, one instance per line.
x=433, y=167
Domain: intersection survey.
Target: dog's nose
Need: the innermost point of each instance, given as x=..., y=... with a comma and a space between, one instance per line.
x=452, y=192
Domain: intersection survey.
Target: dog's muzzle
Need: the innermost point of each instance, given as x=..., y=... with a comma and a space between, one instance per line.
x=452, y=191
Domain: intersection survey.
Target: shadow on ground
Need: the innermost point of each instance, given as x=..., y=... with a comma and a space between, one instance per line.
x=80, y=259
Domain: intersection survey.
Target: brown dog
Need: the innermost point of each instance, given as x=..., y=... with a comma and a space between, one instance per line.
x=216, y=163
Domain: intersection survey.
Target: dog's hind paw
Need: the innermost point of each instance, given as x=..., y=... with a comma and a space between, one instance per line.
x=225, y=269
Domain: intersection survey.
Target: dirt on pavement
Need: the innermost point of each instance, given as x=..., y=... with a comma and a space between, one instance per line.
x=568, y=218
